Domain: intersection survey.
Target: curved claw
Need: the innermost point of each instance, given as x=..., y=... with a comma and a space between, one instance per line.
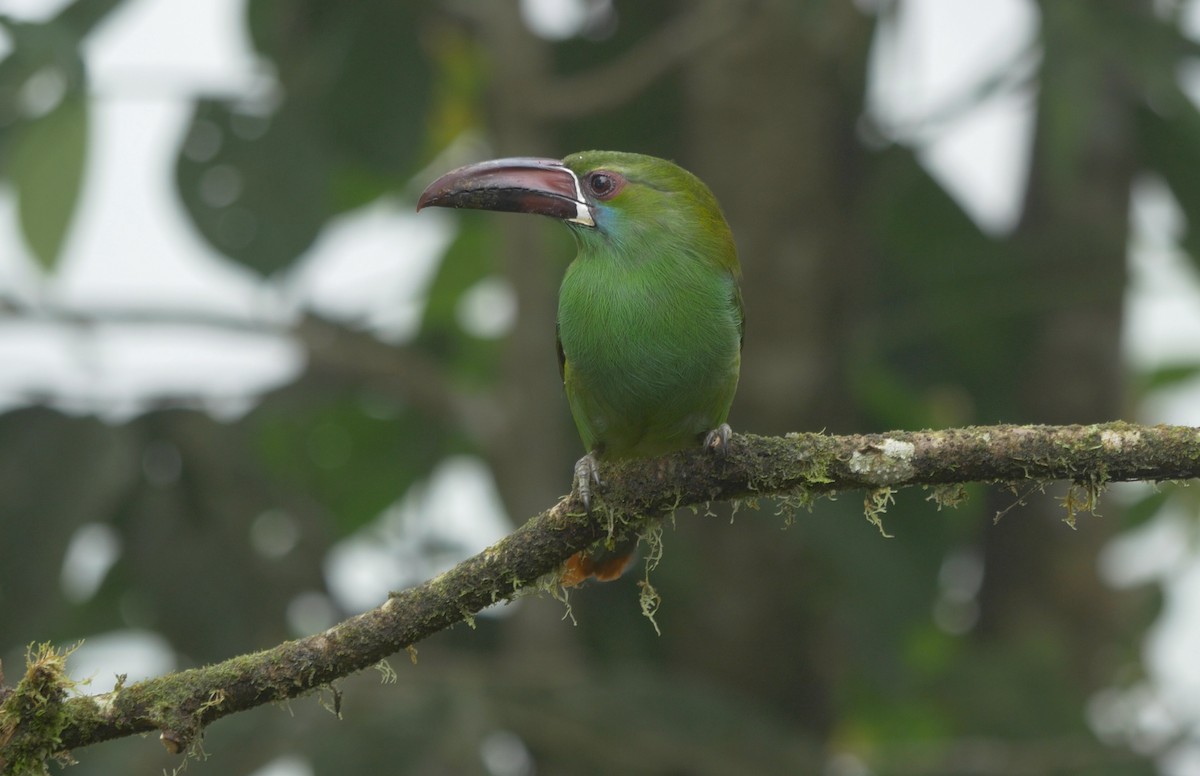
x=717, y=440
x=587, y=473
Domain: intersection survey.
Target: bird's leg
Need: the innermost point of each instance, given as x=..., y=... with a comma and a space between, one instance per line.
x=716, y=441
x=587, y=473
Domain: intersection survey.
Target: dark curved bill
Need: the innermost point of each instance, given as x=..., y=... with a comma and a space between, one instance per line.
x=514, y=185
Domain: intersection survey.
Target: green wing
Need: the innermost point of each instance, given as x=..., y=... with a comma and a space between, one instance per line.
x=562, y=357
x=741, y=311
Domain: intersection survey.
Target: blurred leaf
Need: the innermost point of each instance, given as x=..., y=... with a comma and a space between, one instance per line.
x=942, y=287
x=373, y=109
x=55, y=44
x=1170, y=145
x=891, y=401
x=47, y=161
x=258, y=188
x=1169, y=376
x=355, y=456
x=459, y=80
x=44, y=118
x=355, y=87
x=82, y=16
x=1146, y=507
x=469, y=259
x=58, y=473
x=357, y=74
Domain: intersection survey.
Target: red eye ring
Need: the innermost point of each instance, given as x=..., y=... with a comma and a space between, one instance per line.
x=604, y=185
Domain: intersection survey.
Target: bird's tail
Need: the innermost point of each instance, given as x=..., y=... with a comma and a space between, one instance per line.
x=601, y=563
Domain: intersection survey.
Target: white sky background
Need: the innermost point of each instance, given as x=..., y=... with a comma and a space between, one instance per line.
x=132, y=247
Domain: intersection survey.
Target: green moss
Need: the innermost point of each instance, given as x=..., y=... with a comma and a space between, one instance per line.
x=552, y=584
x=1083, y=496
x=330, y=698
x=736, y=505
x=649, y=600
x=950, y=496
x=33, y=717
x=875, y=504
x=790, y=503
x=813, y=460
x=387, y=674
x=468, y=617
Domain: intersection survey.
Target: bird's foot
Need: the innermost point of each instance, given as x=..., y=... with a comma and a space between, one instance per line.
x=715, y=441
x=587, y=473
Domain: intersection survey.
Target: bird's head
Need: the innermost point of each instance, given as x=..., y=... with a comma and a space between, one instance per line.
x=628, y=203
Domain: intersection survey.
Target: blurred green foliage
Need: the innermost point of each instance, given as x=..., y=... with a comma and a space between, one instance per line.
x=873, y=301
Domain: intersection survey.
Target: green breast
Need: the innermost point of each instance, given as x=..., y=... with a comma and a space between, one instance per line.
x=651, y=351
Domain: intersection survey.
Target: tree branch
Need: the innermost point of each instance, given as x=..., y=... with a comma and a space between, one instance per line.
x=616, y=82
x=337, y=353
x=797, y=467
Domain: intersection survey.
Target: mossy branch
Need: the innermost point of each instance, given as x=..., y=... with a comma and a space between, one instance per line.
x=180, y=705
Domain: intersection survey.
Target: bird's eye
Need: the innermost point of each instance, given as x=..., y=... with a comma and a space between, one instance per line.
x=604, y=185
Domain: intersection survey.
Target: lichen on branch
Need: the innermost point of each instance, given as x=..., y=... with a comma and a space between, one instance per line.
x=795, y=468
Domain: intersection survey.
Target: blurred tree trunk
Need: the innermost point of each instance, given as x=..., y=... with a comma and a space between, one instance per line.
x=534, y=454
x=771, y=119
x=773, y=126
x=1071, y=246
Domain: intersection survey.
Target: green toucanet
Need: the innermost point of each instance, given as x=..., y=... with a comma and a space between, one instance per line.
x=649, y=314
